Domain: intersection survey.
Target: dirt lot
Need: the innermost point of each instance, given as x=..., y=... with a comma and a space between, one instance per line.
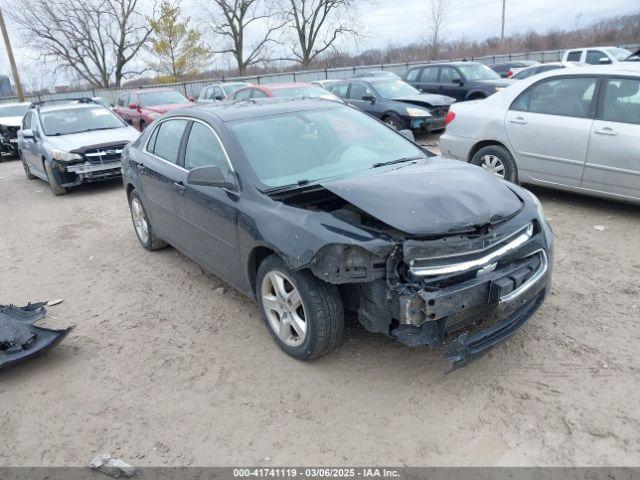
x=165, y=369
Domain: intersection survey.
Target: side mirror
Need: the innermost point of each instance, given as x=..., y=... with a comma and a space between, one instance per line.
x=134, y=106
x=219, y=98
x=212, y=177
x=28, y=133
x=369, y=98
x=407, y=134
x=604, y=61
x=457, y=81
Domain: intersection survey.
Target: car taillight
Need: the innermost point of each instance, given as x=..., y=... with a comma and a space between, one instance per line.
x=449, y=118
x=510, y=74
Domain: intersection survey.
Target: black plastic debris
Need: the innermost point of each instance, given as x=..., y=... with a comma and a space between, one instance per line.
x=21, y=337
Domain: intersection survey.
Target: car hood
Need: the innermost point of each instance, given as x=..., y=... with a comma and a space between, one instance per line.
x=432, y=197
x=426, y=99
x=11, y=121
x=169, y=107
x=79, y=141
x=494, y=83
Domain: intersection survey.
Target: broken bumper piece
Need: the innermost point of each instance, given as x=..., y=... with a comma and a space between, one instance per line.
x=20, y=335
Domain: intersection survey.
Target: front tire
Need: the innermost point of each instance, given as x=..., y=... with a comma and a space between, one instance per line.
x=142, y=225
x=56, y=188
x=303, y=314
x=393, y=121
x=497, y=160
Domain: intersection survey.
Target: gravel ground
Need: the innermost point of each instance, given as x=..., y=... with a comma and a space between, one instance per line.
x=169, y=366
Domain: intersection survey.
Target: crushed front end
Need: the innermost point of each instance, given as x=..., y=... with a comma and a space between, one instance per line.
x=9, y=139
x=90, y=164
x=465, y=292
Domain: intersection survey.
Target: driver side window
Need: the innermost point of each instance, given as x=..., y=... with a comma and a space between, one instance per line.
x=449, y=75
x=358, y=91
x=569, y=97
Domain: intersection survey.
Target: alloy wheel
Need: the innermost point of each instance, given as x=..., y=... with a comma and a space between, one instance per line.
x=284, y=308
x=493, y=164
x=140, y=221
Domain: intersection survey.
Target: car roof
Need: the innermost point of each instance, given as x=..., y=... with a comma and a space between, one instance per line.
x=256, y=108
x=69, y=106
x=14, y=104
x=283, y=85
x=155, y=89
x=589, y=48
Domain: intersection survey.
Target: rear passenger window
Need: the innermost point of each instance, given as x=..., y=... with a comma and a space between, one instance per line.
x=412, y=75
x=622, y=101
x=570, y=97
x=204, y=149
x=166, y=140
x=574, y=56
x=594, y=56
x=429, y=75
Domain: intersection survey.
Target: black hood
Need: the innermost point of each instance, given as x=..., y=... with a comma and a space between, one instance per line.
x=430, y=197
x=426, y=99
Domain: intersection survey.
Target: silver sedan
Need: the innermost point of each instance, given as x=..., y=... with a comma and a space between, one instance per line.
x=574, y=131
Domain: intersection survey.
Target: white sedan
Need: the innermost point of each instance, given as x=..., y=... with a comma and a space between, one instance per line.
x=574, y=130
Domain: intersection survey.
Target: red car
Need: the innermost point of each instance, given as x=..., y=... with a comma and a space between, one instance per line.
x=141, y=107
x=283, y=90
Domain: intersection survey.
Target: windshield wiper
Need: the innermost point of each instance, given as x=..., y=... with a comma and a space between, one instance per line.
x=97, y=128
x=292, y=186
x=393, y=162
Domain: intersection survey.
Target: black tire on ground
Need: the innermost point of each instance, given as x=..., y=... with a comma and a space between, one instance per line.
x=510, y=168
x=324, y=313
x=152, y=242
x=27, y=170
x=393, y=121
x=53, y=183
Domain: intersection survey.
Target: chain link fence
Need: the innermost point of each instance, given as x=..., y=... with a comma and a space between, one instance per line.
x=193, y=88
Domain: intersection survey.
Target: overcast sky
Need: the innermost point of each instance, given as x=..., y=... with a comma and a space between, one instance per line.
x=401, y=22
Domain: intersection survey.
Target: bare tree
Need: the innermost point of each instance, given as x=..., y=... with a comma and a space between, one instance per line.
x=230, y=19
x=438, y=13
x=95, y=39
x=317, y=26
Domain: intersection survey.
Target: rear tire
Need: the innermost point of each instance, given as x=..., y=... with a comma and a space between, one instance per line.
x=497, y=160
x=53, y=183
x=316, y=307
x=142, y=225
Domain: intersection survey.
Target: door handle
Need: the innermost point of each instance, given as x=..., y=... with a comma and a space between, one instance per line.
x=605, y=131
x=179, y=187
x=141, y=168
x=518, y=120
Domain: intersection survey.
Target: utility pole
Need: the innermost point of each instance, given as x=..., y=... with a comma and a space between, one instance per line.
x=504, y=9
x=12, y=61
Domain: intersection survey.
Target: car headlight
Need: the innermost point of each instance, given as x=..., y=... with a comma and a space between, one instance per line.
x=418, y=112
x=64, y=156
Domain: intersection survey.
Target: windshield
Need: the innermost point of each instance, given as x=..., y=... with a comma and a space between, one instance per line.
x=310, y=91
x=394, y=89
x=477, y=71
x=164, y=97
x=76, y=120
x=619, y=54
x=313, y=145
x=14, y=111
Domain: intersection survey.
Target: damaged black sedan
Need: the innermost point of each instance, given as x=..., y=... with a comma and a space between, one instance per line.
x=316, y=209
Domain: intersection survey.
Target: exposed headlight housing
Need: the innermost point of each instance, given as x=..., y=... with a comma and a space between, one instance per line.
x=64, y=156
x=418, y=112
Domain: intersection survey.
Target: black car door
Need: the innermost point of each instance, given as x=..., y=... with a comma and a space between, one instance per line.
x=363, y=97
x=428, y=80
x=158, y=170
x=452, y=83
x=207, y=216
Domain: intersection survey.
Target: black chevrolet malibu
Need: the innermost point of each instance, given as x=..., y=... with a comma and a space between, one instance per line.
x=316, y=209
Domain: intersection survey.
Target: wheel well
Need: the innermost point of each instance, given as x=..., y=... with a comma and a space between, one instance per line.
x=130, y=189
x=476, y=96
x=485, y=143
x=256, y=257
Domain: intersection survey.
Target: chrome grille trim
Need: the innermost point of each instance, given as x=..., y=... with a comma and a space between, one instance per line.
x=517, y=240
